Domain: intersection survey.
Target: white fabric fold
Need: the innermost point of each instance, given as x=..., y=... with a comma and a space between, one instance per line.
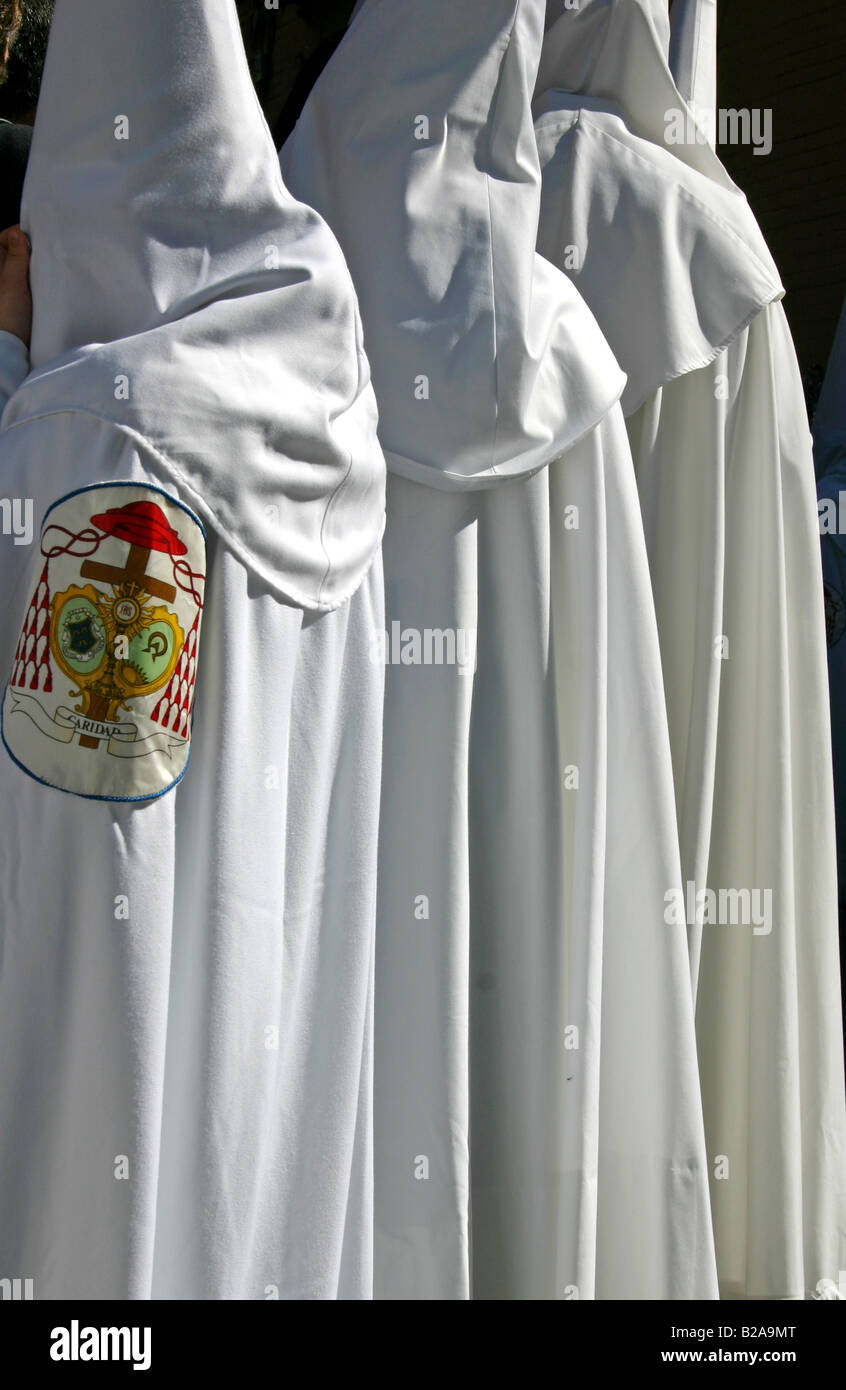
x=194, y=303
x=14, y=365
x=690, y=266
x=486, y=364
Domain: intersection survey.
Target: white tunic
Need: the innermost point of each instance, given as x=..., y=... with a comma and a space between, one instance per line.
x=670, y=259
x=187, y=971
x=538, y=1123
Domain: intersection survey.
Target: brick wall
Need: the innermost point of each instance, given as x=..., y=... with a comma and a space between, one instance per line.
x=790, y=56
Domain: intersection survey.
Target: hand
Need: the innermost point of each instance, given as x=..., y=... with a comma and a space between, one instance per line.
x=15, y=298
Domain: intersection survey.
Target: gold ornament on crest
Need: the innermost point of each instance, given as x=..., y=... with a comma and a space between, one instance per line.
x=119, y=646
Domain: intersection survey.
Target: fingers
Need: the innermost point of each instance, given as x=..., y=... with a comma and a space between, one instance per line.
x=15, y=244
x=15, y=299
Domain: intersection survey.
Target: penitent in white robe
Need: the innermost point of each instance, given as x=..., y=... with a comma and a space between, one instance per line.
x=668, y=256
x=538, y=1126
x=187, y=970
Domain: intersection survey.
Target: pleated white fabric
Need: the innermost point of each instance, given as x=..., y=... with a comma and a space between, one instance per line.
x=533, y=1028
x=538, y=1119
x=186, y=985
x=722, y=453
x=186, y=989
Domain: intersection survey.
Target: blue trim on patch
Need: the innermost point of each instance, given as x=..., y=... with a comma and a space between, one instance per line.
x=89, y=796
x=149, y=487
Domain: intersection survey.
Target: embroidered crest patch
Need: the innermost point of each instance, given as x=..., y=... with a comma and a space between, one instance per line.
x=100, y=698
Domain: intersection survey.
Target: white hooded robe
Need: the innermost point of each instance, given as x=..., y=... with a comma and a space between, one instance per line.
x=668, y=255
x=538, y=1128
x=186, y=970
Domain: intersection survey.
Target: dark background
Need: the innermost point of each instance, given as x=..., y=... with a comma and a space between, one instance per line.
x=791, y=57
x=288, y=48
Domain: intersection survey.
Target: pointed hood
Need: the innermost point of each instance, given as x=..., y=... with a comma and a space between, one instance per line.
x=167, y=252
x=620, y=50
x=417, y=146
x=150, y=140
x=654, y=12
x=693, y=52
x=671, y=259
